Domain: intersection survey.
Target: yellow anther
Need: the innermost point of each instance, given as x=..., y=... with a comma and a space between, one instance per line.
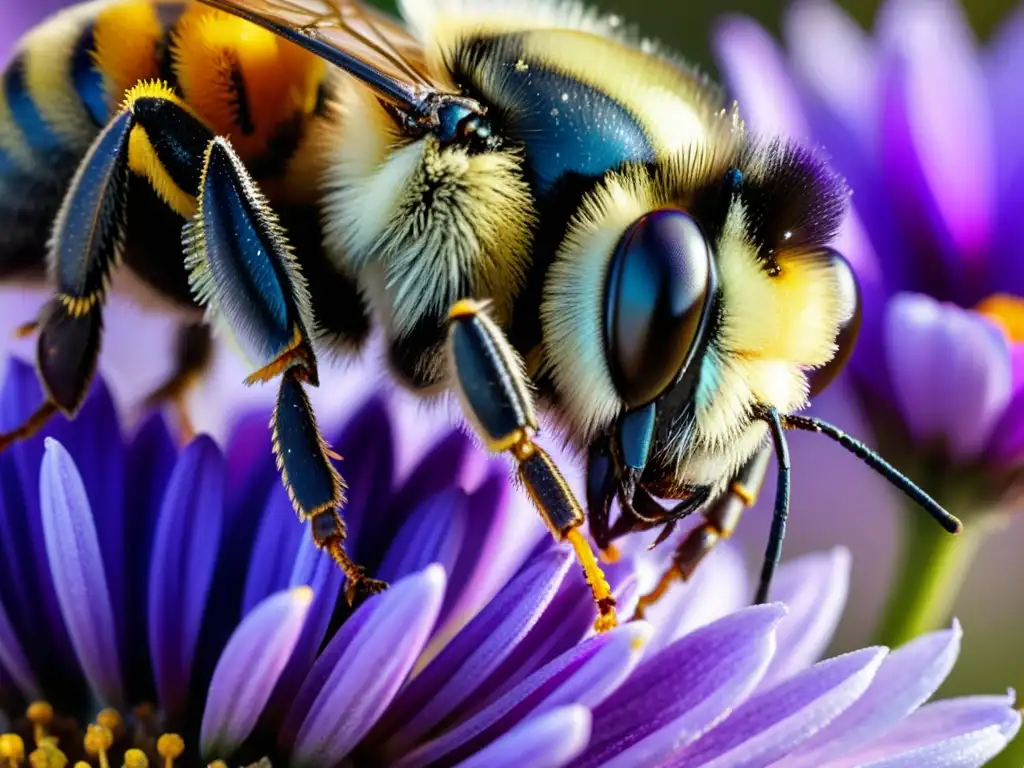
x=82, y=764
x=40, y=714
x=12, y=748
x=110, y=719
x=135, y=758
x=610, y=555
x=170, y=747
x=217, y=764
x=98, y=739
x=48, y=755
x=1006, y=311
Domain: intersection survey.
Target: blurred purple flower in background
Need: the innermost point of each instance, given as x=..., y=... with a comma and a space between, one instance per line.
x=926, y=128
x=170, y=598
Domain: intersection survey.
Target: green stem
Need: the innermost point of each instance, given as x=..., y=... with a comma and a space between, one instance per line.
x=930, y=574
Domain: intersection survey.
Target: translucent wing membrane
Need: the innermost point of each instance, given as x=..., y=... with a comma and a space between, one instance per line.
x=367, y=44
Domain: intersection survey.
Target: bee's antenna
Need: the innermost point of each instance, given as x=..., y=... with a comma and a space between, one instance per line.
x=881, y=466
x=780, y=512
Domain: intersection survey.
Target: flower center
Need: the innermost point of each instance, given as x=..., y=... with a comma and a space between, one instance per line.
x=103, y=741
x=1006, y=311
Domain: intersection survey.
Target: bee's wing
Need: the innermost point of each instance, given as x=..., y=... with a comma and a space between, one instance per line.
x=360, y=40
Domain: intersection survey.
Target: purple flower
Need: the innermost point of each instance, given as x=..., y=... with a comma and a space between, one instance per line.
x=170, y=598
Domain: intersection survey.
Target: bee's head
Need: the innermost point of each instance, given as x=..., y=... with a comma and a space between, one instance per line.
x=704, y=284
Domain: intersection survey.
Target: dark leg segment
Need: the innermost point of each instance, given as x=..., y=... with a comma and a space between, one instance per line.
x=721, y=519
x=780, y=513
x=244, y=271
x=491, y=382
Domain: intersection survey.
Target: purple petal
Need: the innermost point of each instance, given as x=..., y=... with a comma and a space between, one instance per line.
x=548, y=741
x=184, y=555
x=770, y=725
x=814, y=589
x=759, y=78
x=274, y=550
x=678, y=694
x=432, y=534
x=73, y=549
x=458, y=673
x=14, y=662
x=719, y=587
x=249, y=668
x=832, y=54
x=905, y=680
x=939, y=157
x=586, y=675
x=376, y=661
x=149, y=464
x=443, y=466
x=951, y=372
x=956, y=733
x=484, y=558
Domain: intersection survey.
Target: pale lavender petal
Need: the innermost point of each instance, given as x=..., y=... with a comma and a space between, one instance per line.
x=678, y=694
x=814, y=589
x=14, y=662
x=719, y=587
x=548, y=741
x=951, y=372
x=585, y=675
x=468, y=661
x=759, y=78
x=943, y=157
x=181, y=572
x=771, y=724
x=905, y=680
x=375, y=664
x=832, y=54
x=956, y=733
x=249, y=668
x=73, y=550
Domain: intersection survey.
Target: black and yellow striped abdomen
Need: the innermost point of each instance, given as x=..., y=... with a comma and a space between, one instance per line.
x=70, y=76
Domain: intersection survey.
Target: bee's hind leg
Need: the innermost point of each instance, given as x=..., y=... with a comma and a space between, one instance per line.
x=492, y=383
x=721, y=517
x=193, y=354
x=245, y=272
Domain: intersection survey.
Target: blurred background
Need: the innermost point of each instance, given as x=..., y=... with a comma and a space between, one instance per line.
x=836, y=502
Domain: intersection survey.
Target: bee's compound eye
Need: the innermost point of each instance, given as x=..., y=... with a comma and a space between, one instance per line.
x=849, y=326
x=658, y=281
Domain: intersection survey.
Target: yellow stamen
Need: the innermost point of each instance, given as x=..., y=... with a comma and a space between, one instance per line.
x=610, y=555
x=1006, y=311
x=595, y=577
x=40, y=714
x=12, y=749
x=217, y=764
x=111, y=720
x=48, y=756
x=170, y=747
x=98, y=740
x=135, y=758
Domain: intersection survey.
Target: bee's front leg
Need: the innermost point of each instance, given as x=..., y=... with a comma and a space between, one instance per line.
x=244, y=271
x=491, y=381
x=721, y=517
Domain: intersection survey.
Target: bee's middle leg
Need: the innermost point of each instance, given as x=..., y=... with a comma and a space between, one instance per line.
x=193, y=355
x=492, y=383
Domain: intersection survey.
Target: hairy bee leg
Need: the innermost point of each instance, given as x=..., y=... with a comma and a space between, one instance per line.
x=315, y=487
x=243, y=270
x=192, y=357
x=720, y=520
x=492, y=384
x=87, y=237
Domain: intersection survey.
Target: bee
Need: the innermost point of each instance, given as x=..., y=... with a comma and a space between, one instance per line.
x=533, y=203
